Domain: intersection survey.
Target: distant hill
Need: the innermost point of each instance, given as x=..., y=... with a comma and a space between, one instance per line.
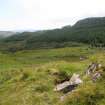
x=88, y=31
x=6, y=33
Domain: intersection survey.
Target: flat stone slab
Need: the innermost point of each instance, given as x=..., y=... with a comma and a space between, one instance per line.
x=75, y=80
x=62, y=86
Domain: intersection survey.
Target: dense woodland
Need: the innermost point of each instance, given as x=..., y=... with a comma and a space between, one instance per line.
x=87, y=31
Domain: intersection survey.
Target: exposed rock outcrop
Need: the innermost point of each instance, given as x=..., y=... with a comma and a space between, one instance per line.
x=94, y=71
x=69, y=85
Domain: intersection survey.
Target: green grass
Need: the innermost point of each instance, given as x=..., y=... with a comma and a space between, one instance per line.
x=27, y=77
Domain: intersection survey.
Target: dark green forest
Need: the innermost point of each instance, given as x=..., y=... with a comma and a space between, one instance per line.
x=89, y=31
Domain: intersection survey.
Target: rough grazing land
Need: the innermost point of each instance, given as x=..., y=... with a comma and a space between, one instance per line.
x=29, y=77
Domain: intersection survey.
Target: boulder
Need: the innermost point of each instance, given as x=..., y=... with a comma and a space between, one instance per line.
x=69, y=85
x=96, y=76
x=93, y=68
x=75, y=79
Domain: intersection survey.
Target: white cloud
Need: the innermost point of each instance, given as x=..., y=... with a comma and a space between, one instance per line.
x=41, y=14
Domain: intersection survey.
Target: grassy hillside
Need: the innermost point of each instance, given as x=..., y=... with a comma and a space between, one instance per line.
x=27, y=77
x=87, y=31
x=29, y=73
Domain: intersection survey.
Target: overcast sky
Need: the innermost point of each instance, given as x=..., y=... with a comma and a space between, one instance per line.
x=46, y=14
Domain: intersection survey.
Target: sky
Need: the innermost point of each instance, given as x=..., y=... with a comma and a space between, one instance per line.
x=46, y=14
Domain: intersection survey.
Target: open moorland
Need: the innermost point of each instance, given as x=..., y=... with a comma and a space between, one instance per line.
x=28, y=77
